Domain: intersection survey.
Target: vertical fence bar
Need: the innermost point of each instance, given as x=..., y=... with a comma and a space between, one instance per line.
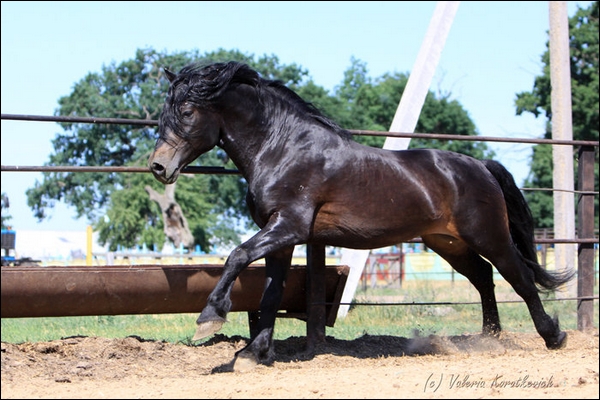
x=315, y=296
x=585, y=222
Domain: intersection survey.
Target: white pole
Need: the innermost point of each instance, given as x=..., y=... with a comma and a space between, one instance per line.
x=408, y=111
x=405, y=120
x=562, y=129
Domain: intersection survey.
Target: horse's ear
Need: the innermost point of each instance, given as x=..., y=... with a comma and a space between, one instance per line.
x=170, y=76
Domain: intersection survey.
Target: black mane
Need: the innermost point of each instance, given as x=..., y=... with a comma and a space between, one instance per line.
x=206, y=82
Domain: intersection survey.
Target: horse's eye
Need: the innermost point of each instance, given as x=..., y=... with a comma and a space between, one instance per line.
x=187, y=114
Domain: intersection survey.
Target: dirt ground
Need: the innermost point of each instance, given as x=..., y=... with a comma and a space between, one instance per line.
x=468, y=366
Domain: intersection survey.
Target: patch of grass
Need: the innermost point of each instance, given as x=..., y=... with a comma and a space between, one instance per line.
x=366, y=316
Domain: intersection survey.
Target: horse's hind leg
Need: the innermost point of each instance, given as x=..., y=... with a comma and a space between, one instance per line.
x=260, y=349
x=521, y=277
x=478, y=271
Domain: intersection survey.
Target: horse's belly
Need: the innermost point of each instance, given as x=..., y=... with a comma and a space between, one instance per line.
x=358, y=242
x=358, y=232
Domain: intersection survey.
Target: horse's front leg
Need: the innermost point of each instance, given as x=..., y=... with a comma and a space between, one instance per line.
x=218, y=304
x=279, y=233
x=260, y=349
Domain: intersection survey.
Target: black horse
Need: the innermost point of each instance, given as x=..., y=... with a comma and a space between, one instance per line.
x=310, y=183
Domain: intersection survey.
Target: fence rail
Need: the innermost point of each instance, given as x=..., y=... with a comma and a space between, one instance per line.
x=152, y=122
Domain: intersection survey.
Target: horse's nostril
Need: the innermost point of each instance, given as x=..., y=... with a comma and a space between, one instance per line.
x=156, y=167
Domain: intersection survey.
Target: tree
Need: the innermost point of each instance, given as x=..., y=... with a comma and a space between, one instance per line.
x=583, y=43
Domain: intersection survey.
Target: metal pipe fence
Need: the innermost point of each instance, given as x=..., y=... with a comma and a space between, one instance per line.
x=586, y=241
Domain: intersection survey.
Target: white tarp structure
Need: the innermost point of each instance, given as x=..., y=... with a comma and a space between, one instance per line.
x=54, y=245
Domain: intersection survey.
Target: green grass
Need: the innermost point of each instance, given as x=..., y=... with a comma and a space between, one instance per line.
x=363, y=318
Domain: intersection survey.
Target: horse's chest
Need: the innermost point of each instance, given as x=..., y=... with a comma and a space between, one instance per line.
x=262, y=202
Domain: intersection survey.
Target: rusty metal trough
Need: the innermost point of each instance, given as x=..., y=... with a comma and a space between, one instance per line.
x=153, y=289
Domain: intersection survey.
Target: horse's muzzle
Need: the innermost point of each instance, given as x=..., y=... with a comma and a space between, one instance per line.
x=160, y=173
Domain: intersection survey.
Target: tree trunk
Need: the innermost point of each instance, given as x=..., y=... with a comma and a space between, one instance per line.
x=176, y=226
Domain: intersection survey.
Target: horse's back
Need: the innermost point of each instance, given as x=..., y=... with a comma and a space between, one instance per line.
x=384, y=196
x=426, y=171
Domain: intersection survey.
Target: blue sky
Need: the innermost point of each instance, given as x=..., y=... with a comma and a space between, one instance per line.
x=492, y=52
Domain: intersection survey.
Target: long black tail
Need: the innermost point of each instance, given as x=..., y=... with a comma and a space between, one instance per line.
x=521, y=229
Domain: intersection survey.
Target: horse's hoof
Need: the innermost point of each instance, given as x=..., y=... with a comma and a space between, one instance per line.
x=244, y=361
x=559, y=343
x=207, y=328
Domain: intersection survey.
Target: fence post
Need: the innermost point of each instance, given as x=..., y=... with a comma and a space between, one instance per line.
x=315, y=296
x=585, y=222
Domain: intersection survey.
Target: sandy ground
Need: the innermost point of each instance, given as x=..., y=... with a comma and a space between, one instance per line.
x=469, y=366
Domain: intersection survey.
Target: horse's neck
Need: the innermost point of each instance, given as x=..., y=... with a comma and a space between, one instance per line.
x=254, y=129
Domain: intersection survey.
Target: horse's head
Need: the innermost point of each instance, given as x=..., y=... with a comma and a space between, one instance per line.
x=186, y=130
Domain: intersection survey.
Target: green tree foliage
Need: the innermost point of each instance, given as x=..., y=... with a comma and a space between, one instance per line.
x=5, y=204
x=214, y=205
x=370, y=104
x=540, y=176
x=131, y=211
x=583, y=43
